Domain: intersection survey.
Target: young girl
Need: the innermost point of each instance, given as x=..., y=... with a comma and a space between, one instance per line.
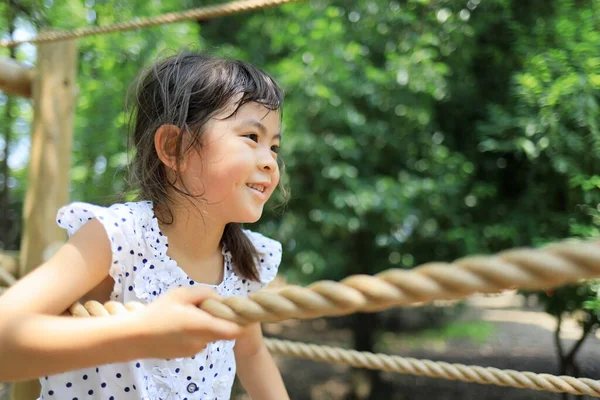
x=206, y=137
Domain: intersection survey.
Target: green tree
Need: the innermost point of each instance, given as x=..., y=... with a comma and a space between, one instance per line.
x=543, y=133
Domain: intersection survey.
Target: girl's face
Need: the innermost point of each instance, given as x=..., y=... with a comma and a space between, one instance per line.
x=236, y=170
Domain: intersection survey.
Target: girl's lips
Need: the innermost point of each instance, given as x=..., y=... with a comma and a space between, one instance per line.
x=258, y=193
x=261, y=187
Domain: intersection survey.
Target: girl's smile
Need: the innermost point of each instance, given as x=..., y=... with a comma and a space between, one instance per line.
x=259, y=189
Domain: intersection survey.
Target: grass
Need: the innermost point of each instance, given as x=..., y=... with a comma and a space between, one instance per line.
x=475, y=331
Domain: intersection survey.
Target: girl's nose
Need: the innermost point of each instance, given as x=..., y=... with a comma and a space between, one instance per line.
x=267, y=162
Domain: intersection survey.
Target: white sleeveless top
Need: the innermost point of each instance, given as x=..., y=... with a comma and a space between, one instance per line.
x=142, y=272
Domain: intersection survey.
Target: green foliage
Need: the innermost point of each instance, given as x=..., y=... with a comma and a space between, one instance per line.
x=549, y=128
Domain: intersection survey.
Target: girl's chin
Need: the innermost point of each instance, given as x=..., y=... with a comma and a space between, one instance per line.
x=249, y=218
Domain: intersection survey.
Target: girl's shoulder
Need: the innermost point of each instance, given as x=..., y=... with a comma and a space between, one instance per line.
x=269, y=257
x=263, y=243
x=120, y=220
x=124, y=225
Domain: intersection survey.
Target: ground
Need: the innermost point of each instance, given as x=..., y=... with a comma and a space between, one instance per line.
x=515, y=337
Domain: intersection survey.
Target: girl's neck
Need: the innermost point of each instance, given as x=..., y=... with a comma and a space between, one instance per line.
x=192, y=233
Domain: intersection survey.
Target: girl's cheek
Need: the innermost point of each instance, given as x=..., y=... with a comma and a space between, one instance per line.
x=275, y=182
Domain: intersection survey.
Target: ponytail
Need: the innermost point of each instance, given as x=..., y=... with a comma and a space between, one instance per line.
x=243, y=252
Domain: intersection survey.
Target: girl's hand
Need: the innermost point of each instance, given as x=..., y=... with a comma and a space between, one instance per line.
x=173, y=326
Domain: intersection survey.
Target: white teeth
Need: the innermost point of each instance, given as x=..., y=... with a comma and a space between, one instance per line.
x=260, y=188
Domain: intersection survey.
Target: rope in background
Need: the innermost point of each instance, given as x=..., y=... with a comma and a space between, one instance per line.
x=195, y=14
x=436, y=369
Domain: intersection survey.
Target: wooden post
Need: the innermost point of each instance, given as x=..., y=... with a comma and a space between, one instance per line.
x=51, y=140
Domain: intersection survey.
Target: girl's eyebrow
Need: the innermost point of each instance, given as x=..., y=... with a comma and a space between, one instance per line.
x=260, y=126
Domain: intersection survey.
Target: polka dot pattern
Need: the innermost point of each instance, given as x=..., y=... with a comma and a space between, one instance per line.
x=142, y=272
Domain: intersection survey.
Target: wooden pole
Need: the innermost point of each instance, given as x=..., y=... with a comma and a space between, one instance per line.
x=15, y=78
x=51, y=141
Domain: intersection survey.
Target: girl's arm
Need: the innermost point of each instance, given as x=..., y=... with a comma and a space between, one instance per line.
x=256, y=368
x=35, y=341
x=37, y=345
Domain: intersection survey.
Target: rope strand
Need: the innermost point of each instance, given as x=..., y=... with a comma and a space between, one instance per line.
x=435, y=369
x=195, y=14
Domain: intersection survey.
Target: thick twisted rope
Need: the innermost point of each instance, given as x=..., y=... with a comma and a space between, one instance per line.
x=195, y=14
x=525, y=268
x=402, y=365
x=433, y=369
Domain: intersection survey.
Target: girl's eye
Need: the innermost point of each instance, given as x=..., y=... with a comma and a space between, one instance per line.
x=252, y=136
x=275, y=149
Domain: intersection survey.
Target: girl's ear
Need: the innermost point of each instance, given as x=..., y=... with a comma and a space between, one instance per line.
x=167, y=143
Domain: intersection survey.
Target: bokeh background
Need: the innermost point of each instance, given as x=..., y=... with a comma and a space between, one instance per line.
x=414, y=130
